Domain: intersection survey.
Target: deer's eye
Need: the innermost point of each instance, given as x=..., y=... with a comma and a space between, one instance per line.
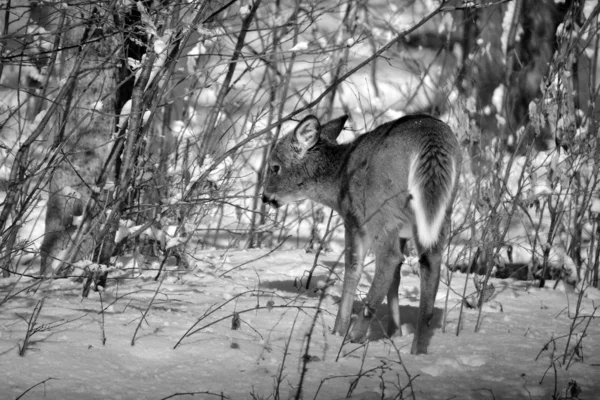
x=275, y=168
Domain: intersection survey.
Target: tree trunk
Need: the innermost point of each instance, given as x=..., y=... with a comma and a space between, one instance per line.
x=508, y=49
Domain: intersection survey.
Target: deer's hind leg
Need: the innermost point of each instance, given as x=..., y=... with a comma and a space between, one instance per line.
x=430, y=261
x=394, y=321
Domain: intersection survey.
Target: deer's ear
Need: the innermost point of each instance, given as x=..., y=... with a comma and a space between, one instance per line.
x=333, y=128
x=306, y=134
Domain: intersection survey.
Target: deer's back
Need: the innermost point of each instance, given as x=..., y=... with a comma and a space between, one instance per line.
x=374, y=179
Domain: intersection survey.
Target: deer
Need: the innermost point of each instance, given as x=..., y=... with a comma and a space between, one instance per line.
x=391, y=184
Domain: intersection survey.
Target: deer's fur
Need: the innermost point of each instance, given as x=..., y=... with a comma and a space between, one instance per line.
x=400, y=177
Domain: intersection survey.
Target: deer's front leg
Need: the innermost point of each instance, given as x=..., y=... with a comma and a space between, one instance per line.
x=356, y=244
x=387, y=261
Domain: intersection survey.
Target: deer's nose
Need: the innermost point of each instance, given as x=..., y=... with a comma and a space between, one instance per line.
x=270, y=200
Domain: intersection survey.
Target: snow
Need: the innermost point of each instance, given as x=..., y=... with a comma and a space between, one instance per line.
x=275, y=316
x=505, y=359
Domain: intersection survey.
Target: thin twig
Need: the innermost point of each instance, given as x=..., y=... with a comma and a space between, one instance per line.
x=143, y=318
x=285, y=353
x=219, y=395
x=319, y=250
x=31, y=326
x=102, y=319
x=229, y=316
x=37, y=384
x=256, y=259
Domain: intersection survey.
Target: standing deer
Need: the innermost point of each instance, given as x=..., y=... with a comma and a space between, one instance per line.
x=394, y=182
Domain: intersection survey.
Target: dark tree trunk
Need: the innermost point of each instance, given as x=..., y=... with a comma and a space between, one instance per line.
x=531, y=43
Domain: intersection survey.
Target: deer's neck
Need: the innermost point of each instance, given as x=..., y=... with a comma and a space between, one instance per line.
x=327, y=182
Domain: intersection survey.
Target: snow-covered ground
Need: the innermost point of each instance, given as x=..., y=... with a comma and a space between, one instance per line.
x=511, y=357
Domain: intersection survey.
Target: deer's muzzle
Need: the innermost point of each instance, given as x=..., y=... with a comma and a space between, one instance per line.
x=272, y=201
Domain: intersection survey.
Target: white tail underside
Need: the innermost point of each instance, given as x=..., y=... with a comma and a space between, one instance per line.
x=428, y=231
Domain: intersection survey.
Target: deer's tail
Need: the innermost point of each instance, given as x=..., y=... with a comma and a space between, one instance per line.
x=431, y=181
